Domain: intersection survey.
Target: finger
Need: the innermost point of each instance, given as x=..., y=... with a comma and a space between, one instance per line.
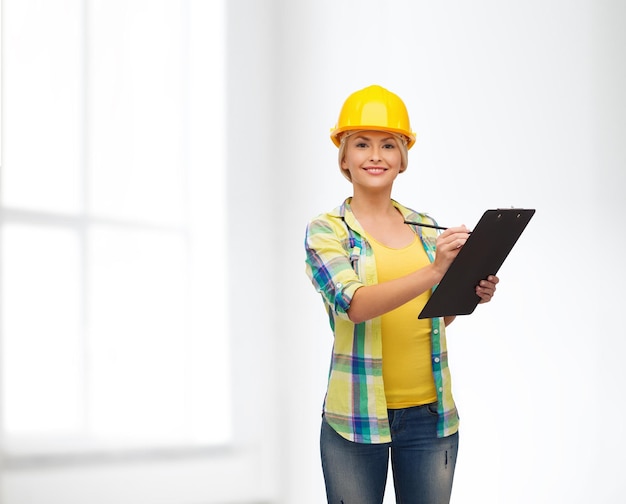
x=453, y=246
x=488, y=284
x=455, y=240
x=459, y=242
x=456, y=229
x=485, y=296
x=452, y=232
x=448, y=250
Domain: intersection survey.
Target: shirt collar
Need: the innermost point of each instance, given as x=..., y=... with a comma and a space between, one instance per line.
x=344, y=211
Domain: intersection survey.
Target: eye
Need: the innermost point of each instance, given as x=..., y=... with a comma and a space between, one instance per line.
x=389, y=146
x=360, y=145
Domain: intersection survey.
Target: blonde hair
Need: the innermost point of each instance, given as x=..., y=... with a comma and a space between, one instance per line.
x=402, y=145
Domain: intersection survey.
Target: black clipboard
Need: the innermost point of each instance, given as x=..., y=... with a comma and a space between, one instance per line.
x=487, y=247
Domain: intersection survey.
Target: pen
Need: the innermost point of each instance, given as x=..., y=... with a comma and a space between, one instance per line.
x=426, y=225
x=423, y=224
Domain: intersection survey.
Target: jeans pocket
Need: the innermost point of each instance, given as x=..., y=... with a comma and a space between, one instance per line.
x=432, y=408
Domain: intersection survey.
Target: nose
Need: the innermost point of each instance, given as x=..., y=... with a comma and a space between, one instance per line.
x=375, y=154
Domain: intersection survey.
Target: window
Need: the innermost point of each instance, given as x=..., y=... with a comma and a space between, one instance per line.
x=112, y=226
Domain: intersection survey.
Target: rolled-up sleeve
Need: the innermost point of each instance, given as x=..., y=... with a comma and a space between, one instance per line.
x=329, y=265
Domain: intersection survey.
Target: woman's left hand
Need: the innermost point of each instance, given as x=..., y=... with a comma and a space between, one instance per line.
x=487, y=288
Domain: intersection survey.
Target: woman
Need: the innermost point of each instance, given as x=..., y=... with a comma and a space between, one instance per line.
x=375, y=263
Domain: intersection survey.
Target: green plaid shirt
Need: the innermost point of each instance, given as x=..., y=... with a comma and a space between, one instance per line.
x=339, y=260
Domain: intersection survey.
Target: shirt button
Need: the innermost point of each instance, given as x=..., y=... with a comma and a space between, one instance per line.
x=436, y=359
x=339, y=285
x=440, y=389
x=436, y=331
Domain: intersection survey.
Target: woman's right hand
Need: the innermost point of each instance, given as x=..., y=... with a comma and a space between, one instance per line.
x=448, y=245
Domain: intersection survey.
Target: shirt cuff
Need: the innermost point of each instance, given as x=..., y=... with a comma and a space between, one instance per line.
x=343, y=296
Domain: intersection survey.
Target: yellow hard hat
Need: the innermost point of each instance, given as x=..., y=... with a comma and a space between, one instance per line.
x=373, y=108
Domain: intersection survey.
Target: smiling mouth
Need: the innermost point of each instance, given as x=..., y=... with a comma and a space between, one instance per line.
x=375, y=169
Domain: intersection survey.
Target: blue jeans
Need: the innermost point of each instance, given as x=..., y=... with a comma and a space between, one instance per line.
x=422, y=464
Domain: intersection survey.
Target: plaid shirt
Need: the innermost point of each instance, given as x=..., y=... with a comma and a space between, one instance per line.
x=339, y=260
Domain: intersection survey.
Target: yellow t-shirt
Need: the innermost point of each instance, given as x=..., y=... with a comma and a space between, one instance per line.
x=407, y=369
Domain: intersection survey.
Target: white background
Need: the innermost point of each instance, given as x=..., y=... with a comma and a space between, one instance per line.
x=514, y=103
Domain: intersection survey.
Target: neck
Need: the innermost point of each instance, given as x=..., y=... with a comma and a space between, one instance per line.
x=372, y=205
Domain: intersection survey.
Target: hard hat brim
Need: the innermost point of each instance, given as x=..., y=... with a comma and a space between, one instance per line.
x=336, y=133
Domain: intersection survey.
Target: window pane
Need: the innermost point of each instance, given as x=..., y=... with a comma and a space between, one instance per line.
x=41, y=319
x=136, y=104
x=138, y=335
x=42, y=99
x=122, y=340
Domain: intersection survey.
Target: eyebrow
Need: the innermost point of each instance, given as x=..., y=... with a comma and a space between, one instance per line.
x=363, y=137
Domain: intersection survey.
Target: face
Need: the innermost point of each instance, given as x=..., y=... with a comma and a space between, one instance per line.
x=372, y=158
